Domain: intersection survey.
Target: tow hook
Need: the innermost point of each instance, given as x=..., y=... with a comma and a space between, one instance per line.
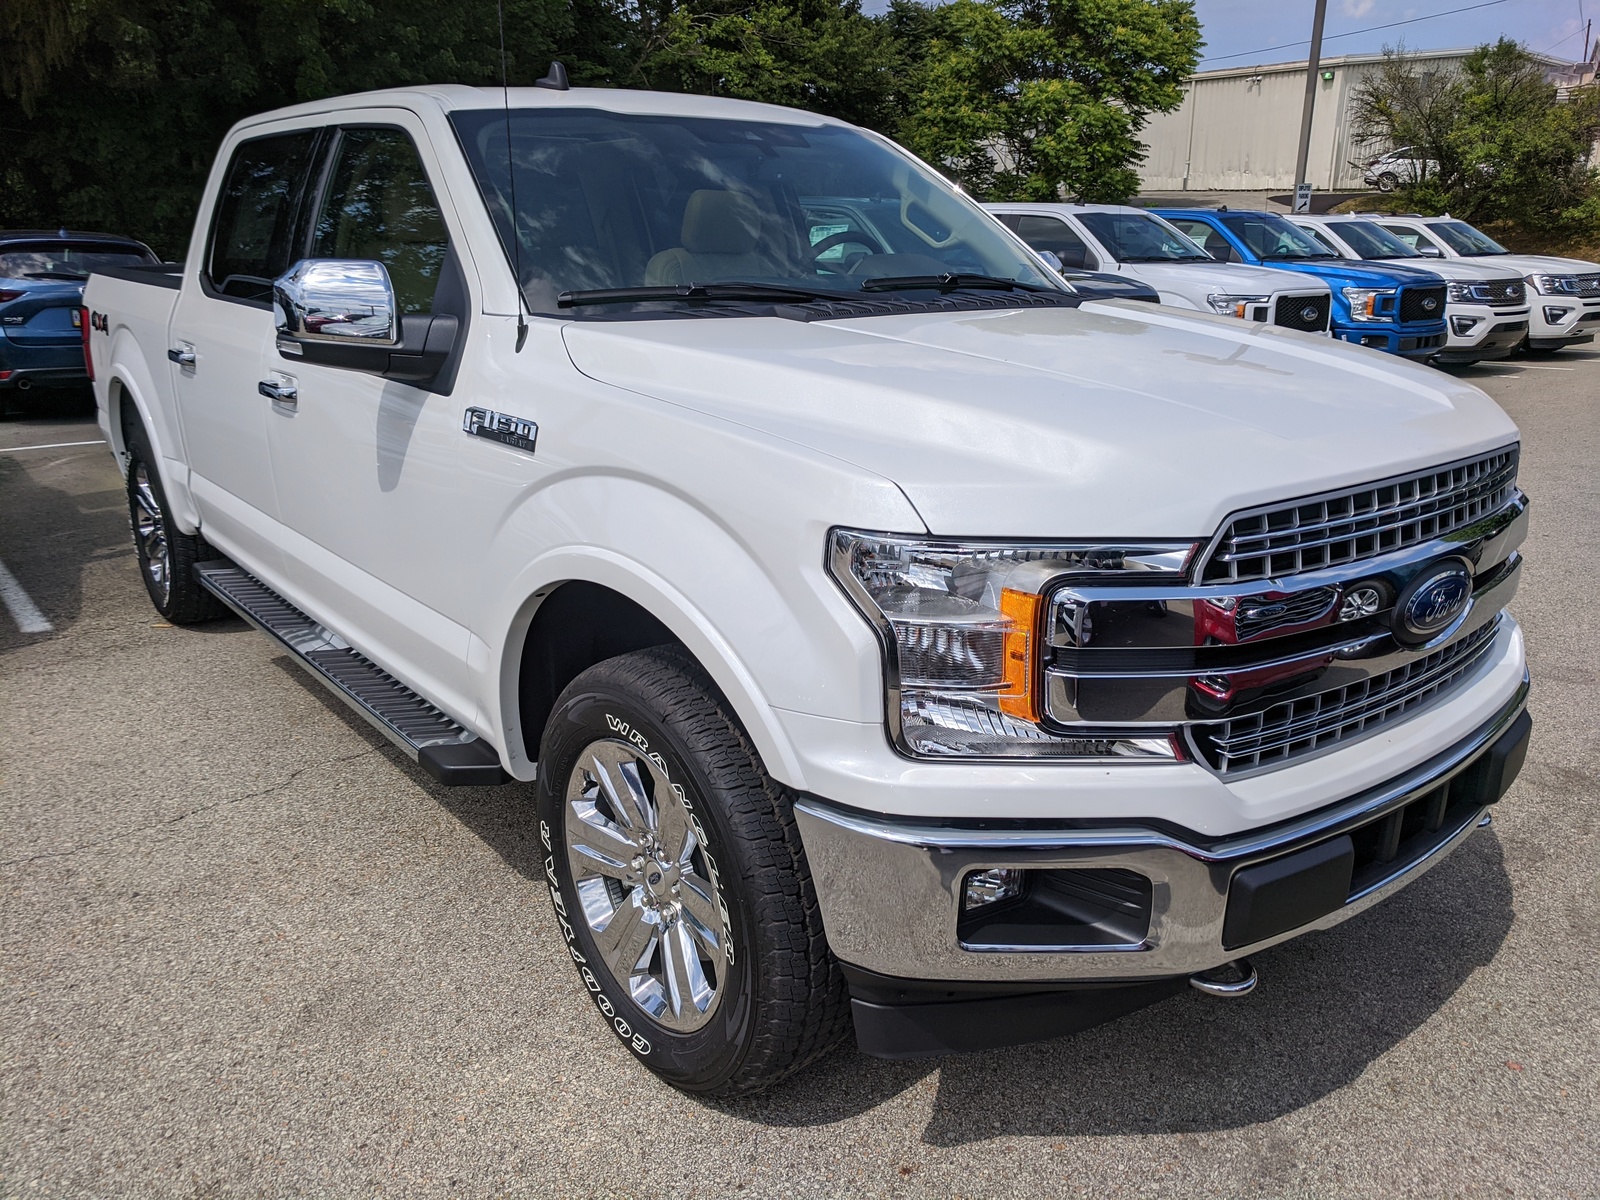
x=1237, y=978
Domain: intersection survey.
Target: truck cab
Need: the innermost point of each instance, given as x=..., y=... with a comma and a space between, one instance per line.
x=1394, y=308
x=1139, y=245
x=1487, y=309
x=885, y=638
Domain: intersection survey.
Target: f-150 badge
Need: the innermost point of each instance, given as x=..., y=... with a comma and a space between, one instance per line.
x=500, y=427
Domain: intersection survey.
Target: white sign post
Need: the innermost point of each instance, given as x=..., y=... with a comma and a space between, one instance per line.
x=1302, y=197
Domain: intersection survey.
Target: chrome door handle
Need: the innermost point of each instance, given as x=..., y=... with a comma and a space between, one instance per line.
x=279, y=393
x=184, y=358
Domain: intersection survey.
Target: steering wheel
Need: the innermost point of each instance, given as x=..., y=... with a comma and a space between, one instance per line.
x=844, y=238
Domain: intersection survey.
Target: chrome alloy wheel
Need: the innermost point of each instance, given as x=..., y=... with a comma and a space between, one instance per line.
x=647, y=888
x=150, y=529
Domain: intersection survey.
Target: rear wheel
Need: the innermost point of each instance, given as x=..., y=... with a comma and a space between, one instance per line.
x=166, y=554
x=1388, y=181
x=679, y=880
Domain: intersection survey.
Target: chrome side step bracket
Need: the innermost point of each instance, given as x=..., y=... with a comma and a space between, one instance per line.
x=441, y=747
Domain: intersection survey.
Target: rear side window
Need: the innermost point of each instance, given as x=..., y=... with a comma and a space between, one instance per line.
x=252, y=242
x=379, y=205
x=1052, y=234
x=1409, y=236
x=1206, y=237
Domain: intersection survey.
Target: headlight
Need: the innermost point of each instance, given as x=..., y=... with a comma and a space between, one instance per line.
x=961, y=630
x=1555, y=285
x=1234, y=306
x=1370, y=304
x=1463, y=293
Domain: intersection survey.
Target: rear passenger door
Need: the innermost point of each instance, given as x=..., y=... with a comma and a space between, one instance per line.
x=222, y=331
x=366, y=468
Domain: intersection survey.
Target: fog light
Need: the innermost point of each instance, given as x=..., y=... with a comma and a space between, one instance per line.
x=1463, y=325
x=997, y=883
x=1554, y=316
x=1382, y=343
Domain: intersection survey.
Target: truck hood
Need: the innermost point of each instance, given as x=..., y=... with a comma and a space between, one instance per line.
x=1354, y=272
x=1200, y=279
x=1533, y=264
x=1473, y=269
x=1115, y=419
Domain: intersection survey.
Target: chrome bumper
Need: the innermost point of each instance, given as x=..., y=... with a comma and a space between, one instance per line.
x=891, y=892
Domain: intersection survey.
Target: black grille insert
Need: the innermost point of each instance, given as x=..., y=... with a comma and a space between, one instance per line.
x=1422, y=304
x=1307, y=313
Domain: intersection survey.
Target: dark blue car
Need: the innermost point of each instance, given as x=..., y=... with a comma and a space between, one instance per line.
x=41, y=295
x=1387, y=306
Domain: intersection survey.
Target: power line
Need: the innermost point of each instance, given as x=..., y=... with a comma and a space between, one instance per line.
x=1352, y=33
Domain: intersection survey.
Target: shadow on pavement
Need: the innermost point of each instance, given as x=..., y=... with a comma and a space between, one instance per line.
x=1328, y=1006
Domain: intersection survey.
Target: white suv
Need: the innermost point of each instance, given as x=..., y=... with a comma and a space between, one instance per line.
x=1139, y=244
x=1565, y=292
x=1487, y=306
x=1389, y=171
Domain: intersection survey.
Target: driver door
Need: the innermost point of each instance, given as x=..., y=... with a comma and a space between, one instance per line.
x=366, y=467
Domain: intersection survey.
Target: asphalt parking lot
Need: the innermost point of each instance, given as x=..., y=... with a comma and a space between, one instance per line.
x=249, y=950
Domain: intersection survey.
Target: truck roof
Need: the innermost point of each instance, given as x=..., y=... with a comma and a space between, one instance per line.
x=449, y=97
x=65, y=235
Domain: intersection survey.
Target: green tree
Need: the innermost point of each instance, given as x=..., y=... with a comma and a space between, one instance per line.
x=821, y=55
x=1508, y=146
x=1027, y=99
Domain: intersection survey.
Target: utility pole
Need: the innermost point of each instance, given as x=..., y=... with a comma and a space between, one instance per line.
x=1302, y=190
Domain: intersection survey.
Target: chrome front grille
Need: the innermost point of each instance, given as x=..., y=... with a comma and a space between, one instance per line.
x=1589, y=286
x=1309, y=723
x=1361, y=523
x=1500, y=293
x=1258, y=617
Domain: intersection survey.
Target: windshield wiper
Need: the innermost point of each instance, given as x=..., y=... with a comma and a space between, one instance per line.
x=948, y=283
x=693, y=291
x=54, y=275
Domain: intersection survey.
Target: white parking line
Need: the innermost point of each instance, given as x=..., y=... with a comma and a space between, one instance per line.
x=59, y=445
x=1537, y=367
x=23, y=610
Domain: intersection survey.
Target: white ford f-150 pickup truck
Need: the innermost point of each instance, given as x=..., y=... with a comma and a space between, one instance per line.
x=884, y=635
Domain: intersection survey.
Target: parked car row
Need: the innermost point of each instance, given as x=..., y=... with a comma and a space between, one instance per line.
x=1428, y=288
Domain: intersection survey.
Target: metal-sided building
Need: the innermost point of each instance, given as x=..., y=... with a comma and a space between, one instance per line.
x=1239, y=128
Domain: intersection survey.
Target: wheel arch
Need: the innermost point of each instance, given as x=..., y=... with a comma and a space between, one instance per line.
x=130, y=400
x=618, y=606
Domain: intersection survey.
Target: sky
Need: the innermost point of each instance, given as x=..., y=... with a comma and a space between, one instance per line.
x=1241, y=33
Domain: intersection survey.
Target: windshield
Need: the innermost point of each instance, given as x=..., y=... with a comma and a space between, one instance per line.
x=1271, y=236
x=1134, y=237
x=610, y=201
x=1371, y=241
x=1464, y=239
x=66, y=260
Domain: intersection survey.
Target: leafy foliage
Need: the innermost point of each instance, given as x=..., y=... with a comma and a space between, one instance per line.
x=112, y=110
x=1508, y=147
x=1027, y=99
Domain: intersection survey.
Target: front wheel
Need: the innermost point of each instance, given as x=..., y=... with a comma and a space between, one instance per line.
x=1388, y=181
x=679, y=881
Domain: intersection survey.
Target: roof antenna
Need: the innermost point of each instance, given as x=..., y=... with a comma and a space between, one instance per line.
x=511, y=175
x=556, y=80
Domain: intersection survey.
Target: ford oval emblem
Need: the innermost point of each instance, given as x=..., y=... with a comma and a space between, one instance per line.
x=1309, y=313
x=1432, y=601
x=1429, y=304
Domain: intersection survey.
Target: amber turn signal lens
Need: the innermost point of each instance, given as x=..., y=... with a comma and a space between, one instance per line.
x=1017, y=697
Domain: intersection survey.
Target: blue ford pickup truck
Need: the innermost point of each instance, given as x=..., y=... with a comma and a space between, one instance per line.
x=1386, y=306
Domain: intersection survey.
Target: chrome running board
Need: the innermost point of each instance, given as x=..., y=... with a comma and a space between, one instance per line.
x=442, y=748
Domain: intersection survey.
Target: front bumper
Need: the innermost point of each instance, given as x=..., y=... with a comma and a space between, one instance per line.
x=1394, y=341
x=892, y=890
x=1558, y=321
x=1480, y=332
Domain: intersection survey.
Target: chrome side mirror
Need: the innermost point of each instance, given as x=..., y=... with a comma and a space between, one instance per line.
x=349, y=301
x=1430, y=251
x=1051, y=259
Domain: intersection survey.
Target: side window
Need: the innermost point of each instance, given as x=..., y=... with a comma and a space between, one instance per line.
x=1321, y=239
x=1409, y=236
x=379, y=205
x=1207, y=238
x=1055, y=235
x=252, y=241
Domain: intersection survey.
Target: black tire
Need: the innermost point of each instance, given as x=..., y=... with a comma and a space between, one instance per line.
x=781, y=1001
x=166, y=555
x=1388, y=181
